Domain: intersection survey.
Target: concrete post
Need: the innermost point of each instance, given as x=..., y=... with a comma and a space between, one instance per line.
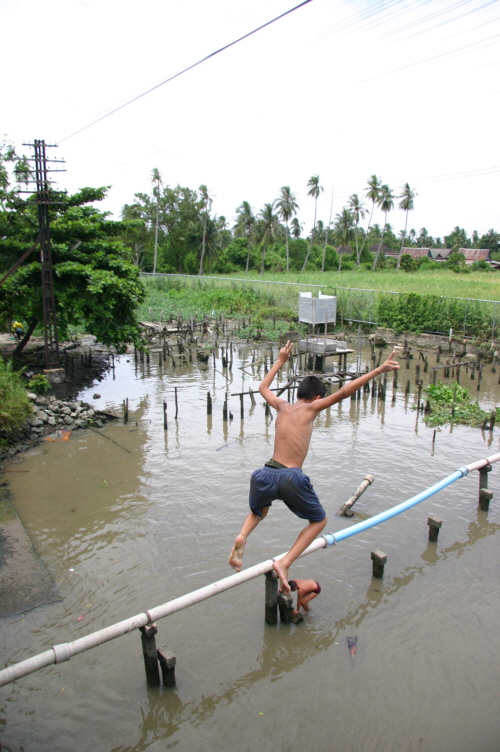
x=271, y=597
x=149, y=652
x=167, y=662
x=379, y=559
x=434, y=526
x=285, y=604
x=483, y=476
x=485, y=497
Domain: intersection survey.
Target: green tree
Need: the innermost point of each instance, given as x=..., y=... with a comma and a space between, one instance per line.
x=344, y=230
x=315, y=190
x=386, y=203
x=268, y=229
x=157, y=181
x=373, y=194
x=458, y=238
x=245, y=226
x=96, y=286
x=490, y=240
x=206, y=203
x=296, y=228
x=407, y=204
x=358, y=211
x=287, y=207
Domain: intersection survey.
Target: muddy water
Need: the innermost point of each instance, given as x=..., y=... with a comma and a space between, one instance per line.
x=125, y=525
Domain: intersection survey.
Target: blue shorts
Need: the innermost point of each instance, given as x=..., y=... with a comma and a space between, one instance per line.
x=289, y=485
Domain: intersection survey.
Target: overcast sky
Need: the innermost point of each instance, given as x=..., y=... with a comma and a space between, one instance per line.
x=408, y=90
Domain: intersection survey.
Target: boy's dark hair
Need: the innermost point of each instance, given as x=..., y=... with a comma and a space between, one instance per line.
x=311, y=387
x=293, y=585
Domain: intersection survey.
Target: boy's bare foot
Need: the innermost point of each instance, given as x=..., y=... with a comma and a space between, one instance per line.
x=282, y=573
x=236, y=556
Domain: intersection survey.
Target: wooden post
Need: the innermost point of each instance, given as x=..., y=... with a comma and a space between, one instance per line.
x=242, y=411
x=271, y=597
x=395, y=380
x=379, y=559
x=251, y=396
x=209, y=404
x=485, y=497
x=345, y=509
x=438, y=354
x=165, y=424
x=434, y=375
x=417, y=373
x=407, y=359
x=224, y=409
x=407, y=390
x=285, y=605
x=125, y=410
x=150, y=654
x=480, y=376
x=434, y=524
x=176, y=404
x=167, y=663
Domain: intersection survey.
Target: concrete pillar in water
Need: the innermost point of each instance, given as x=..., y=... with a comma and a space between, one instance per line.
x=379, y=560
x=150, y=654
x=434, y=526
x=271, y=598
x=167, y=663
x=285, y=605
x=485, y=496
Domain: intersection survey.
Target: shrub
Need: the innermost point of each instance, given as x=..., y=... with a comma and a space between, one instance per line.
x=15, y=406
x=39, y=383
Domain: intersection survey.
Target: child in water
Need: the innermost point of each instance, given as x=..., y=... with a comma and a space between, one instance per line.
x=306, y=591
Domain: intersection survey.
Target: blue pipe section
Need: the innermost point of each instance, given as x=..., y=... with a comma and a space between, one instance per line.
x=332, y=538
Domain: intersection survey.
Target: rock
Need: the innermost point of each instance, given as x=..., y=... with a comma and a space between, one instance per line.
x=68, y=420
x=41, y=400
x=65, y=411
x=51, y=421
x=42, y=415
x=96, y=396
x=98, y=423
x=35, y=422
x=31, y=395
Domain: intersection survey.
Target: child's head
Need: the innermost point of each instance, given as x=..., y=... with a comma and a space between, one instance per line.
x=293, y=585
x=310, y=388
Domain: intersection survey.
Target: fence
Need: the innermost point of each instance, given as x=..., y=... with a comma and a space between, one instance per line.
x=467, y=317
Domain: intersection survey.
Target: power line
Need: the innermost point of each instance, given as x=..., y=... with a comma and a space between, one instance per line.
x=190, y=67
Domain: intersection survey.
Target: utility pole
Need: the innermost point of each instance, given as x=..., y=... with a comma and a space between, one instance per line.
x=52, y=359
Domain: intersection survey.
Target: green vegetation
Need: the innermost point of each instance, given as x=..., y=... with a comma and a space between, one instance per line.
x=96, y=286
x=39, y=383
x=453, y=404
x=15, y=406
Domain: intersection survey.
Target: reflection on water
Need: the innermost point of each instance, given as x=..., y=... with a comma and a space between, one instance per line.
x=132, y=516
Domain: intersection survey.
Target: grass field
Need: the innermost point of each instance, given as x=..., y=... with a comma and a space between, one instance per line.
x=477, y=285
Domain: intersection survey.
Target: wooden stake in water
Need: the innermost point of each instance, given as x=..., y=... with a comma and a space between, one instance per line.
x=176, y=404
x=209, y=404
x=165, y=423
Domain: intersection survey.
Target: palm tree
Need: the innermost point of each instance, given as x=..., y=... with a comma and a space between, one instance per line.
x=269, y=227
x=343, y=227
x=357, y=208
x=407, y=204
x=372, y=193
x=156, y=180
x=296, y=228
x=326, y=235
x=245, y=226
x=206, y=202
x=314, y=190
x=386, y=203
x=287, y=207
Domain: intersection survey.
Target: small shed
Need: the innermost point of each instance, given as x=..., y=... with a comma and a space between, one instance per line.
x=320, y=310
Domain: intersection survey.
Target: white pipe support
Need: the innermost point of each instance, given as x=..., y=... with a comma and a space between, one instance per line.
x=481, y=463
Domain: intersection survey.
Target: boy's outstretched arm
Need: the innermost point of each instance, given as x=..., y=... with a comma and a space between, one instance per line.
x=266, y=382
x=352, y=386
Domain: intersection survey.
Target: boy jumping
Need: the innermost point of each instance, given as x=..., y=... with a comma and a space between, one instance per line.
x=282, y=477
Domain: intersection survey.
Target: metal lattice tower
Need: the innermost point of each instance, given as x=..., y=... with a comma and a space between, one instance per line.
x=43, y=201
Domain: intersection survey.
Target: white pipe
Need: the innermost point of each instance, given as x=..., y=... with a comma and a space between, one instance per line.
x=64, y=651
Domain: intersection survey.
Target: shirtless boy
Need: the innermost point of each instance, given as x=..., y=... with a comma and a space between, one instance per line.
x=306, y=591
x=282, y=477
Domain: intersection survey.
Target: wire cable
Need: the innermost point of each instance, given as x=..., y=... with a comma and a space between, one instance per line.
x=185, y=70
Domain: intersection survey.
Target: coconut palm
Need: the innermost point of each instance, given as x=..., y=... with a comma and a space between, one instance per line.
x=286, y=207
x=373, y=194
x=245, y=226
x=296, y=228
x=156, y=180
x=357, y=208
x=386, y=203
x=407, y=197
x=206, y=203
x=315, y=190
x=327, y=235
x=268, y=228
x=343, y=229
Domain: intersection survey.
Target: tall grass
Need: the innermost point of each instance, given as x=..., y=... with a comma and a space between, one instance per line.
x=15, y=406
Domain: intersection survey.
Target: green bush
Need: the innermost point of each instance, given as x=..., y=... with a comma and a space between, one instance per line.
x=15, y=406
x=39, y=383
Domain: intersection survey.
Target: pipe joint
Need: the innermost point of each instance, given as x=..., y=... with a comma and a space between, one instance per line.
x=329, y=538
x=62, y=652
x=463, y=470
